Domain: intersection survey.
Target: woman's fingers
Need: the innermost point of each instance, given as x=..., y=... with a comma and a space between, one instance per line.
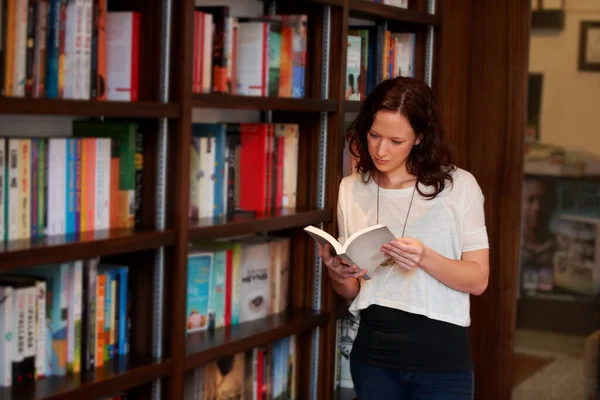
x=400, y=255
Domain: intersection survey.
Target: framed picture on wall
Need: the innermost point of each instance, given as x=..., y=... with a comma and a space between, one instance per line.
x=589, y=46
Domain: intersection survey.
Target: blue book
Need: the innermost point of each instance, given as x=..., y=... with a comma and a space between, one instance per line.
x=52, y=48
x=123, y=337
x=70, y=223
x=198, y=291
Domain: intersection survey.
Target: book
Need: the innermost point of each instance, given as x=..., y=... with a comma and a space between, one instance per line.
x=363, y=248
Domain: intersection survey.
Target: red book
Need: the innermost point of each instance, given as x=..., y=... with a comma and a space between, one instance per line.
x=254, y=167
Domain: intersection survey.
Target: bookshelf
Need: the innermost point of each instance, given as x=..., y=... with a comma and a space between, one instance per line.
x=156, y=251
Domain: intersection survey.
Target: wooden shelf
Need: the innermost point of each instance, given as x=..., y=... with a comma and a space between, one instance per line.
x=557, y=315
x=352, y=105
x=91, y=108
x=247, y=223
x=548, y=19
x=56, y=249
x=363, y=8
x=339, y=3
x=203, y=347
x=116, y=376
x=219, y=100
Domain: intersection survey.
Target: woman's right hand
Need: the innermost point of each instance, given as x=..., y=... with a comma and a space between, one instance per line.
x=338, y=270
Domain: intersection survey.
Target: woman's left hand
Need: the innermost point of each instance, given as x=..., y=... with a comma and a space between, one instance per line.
x=407, y=252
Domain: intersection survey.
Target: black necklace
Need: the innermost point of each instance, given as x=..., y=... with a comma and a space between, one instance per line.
x=390, y=260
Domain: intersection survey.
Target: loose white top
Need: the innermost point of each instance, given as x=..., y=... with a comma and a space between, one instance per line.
x=450, y=224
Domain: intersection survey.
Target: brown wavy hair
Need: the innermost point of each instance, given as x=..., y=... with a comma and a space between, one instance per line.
x=431, y=160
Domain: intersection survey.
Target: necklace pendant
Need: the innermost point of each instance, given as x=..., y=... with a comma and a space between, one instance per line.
x=387, y=263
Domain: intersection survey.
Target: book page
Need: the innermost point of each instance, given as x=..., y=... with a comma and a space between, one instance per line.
x=365, y=250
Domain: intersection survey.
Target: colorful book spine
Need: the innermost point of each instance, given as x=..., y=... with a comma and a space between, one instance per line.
x=71, y=187
x=13, y=189
x=25, y=188
x=6, y=335
x=100, y=314
x=123, y=340
x=79, y=183
x=3, y=192
x=198, y=291
x=35, y=167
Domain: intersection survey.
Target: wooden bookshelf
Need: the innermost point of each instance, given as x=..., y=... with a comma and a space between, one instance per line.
x=207, y=346
x=88, y=108
x=216, y=100
x=254, y=223
x=136, y=248
x=574, y=317
x=57, y=249
x=119, y=374
x=367, y=9
x=352, y=105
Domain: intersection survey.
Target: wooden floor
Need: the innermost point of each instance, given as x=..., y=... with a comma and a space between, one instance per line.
x=526, y=365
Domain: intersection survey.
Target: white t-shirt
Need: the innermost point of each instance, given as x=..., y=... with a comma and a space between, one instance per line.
x=451, y=223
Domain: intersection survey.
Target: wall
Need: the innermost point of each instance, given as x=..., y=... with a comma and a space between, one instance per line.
x=571, y=99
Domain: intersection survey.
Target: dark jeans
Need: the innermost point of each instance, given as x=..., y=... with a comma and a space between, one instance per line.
x=386, y=384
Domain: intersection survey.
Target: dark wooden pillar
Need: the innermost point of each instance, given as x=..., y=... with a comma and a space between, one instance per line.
x=481, y=86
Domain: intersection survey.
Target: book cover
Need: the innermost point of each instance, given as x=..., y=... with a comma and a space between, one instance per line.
x=198, y=290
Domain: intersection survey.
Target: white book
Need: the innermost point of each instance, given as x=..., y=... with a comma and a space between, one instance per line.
x=121, y=53
x=31, y=310
x=57, y=177
x=6, y=334
x=99, y=184
x=86, y=59
x=14, y=207
x=40, y=330
x=362, y=249
x=106, y=184
x=20, y=327
x=207, y=182
x=70, y=73
x=3, y=194
x=255, y=287
x=252, y=59
x=405, y=53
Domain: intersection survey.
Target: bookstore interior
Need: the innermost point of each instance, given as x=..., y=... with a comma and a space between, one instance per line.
x=175, y=264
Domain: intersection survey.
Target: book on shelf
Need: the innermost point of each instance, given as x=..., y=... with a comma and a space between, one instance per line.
x=394, y=3
x=69, y=50
x=374, y=55
x=62, y=319
x=261, y=372
x=242, y=167
x=363, y=248
x=262, y=56
x=231, y=282
x=87, y=182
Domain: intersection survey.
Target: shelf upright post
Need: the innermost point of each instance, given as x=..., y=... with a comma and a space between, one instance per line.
x=161, y=154
x=270, y=10
x=429, y=46
x=321, y=178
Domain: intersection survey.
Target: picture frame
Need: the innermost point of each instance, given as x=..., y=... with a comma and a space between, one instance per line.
x=589, y=46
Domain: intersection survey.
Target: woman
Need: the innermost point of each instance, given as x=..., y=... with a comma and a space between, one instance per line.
x=412, y=342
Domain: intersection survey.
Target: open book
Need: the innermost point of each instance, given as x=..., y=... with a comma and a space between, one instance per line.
x=363, y=248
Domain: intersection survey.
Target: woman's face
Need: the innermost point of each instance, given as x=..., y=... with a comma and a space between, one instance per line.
x=390, y=141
